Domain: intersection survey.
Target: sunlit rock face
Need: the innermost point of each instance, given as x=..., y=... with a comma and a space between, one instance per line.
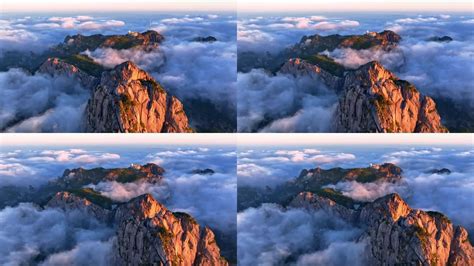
x=56, y=67
x=375, y=100
x=147, y=233
x=150, y=233
x=128, y=99
x=397, y=234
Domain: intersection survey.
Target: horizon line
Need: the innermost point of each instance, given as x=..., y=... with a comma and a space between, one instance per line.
x=240, y=139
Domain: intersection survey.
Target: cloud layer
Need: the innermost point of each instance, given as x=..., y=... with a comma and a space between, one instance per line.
x=61, y=237
x=283, y=103
x=270, y=235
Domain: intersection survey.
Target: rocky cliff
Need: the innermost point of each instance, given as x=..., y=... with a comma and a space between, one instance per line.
x=371, y=98
x=128, y=99
x=375, y=100
x=397, y=234
x=57, y=67
x=303, y=68
x=148, y=233
x=68, y=201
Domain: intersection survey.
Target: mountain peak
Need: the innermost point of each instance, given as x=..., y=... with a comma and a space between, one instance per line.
x=133, y=101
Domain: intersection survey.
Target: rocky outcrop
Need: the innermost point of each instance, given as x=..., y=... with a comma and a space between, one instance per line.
x=302, y=68
x=442, y=171
x=69, y=202
x=205, y=39
x=440, y=39
x=375, y=100
x=148, y=233
x=56, y=67
x=309, y=200
x=128, y=99
x=206, y=171
x=399, y=235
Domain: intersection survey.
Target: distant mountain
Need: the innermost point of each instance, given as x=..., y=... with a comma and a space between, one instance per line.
x=75, y=181
x=315, y=180
x=309, y=46
x=71, y=48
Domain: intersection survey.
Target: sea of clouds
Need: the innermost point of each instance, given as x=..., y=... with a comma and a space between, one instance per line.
x=264, y=166
x=436, y=69
x=187, y=69
x=72, y=238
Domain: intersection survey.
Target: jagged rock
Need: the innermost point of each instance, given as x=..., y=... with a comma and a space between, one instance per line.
x=309, y=200
x=390, y=207
x=68, y=202
x=461, y=249
x=375, y=100
x=401, y=235
x=298, y=68
x=150, y=234
x=56, y=67
x=128, y=99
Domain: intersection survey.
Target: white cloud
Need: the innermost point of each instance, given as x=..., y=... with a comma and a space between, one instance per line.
x=252, y=170
x=80, y=22
x=416, y=20
x=269, y=235
x=14, y=170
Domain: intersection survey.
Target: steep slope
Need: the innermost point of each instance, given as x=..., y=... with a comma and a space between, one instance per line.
x=397, y=234
x=371, y=98
x=375, y=100
x=57, y=67
x=128, y=99
x=148, y=233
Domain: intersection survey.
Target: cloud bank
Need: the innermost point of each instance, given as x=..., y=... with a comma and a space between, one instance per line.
x=28, y=232
x=270, y=235
x=283, y=103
